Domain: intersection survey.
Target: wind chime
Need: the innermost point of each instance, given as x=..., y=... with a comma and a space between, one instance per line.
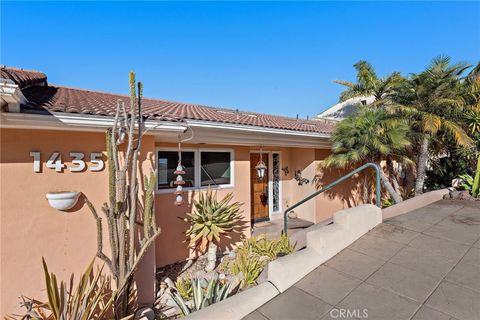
x=179, y=182
x=179, y=171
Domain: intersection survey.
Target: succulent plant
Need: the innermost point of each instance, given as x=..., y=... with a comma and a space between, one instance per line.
x=204, y=293
x=210, y=220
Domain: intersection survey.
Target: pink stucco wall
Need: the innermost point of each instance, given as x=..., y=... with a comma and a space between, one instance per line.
x=30, y=228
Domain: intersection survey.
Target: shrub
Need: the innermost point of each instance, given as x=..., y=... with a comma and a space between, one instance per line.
x=211, y=219
x=91, y=299
x=214, y=292
x=184, y=287
x=250, y=265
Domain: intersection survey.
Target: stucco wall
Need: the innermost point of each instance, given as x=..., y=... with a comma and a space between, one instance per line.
x=171, y=245
x=30, y=228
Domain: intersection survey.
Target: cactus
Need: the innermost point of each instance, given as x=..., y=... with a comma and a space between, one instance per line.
x=121, y=211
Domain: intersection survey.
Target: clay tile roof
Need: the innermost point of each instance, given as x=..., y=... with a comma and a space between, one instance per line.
x=62, y=99
x=23, y=78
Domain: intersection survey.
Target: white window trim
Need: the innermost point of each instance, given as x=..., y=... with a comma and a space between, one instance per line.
x=197, y=174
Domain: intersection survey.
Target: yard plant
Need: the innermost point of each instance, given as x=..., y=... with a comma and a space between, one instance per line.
x=423, y=121
x=90, y=299
x=204, y=293
x=210, y=220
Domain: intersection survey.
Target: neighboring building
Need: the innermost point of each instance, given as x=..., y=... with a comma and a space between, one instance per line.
x=44, y=128
x=343, y=109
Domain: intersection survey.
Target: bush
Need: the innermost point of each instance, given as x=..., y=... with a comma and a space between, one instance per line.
x=92, y=298
x=202, y=297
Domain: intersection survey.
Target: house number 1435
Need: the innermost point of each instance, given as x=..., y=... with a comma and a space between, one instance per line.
x=55, y=162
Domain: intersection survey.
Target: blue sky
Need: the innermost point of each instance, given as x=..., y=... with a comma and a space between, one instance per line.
x=272, y=57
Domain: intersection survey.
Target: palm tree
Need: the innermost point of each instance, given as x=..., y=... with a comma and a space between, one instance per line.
x=370, y=135
x=370, y=85
x=430, y=100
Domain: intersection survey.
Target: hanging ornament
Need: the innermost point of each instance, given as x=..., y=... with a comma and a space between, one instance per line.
x=179, y=180
x=261, y=167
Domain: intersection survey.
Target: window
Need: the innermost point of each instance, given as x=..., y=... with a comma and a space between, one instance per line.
x=215, y=168
x=203, y=168
x=167, y=163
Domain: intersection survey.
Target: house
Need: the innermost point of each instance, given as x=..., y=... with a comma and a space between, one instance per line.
x=343, y=109
x=53, y=139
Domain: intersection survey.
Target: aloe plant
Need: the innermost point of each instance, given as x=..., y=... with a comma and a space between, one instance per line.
x=214, y=292
x=210, y=220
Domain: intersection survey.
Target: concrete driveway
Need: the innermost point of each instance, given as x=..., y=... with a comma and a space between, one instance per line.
x=422, y=265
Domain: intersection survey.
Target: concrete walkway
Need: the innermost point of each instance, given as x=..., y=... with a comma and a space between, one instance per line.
x=422, y=265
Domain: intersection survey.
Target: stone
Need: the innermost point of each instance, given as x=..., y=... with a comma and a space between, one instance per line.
x=292, y=215
x=169, y=283
x=145, y=313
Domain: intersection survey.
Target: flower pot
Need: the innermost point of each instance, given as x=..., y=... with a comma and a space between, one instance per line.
x=63, y=200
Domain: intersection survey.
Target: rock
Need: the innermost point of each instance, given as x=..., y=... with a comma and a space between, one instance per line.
x=454, y=194
x=458, y=195
x=465, y=195
x=235, y=279
x=211, y=275
x=232, y=255
x=169, y=283
x=457, y=182
x=170, y=312
x=199, y=274
x=187, y=265
x=145, y=313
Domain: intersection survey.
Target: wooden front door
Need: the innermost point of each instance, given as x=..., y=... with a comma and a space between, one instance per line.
x=258, y=189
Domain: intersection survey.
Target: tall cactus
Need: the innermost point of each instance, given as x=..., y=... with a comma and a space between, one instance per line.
x=121, y=210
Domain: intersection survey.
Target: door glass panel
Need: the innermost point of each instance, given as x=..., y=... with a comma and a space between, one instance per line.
x=276, y=182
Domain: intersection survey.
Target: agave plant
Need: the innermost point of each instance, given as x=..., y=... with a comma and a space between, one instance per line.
x=91, y=299
x=202, y=297
x=210, y=220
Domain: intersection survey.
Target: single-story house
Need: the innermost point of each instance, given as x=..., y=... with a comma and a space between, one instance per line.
x=53, y=139
x=343, y=109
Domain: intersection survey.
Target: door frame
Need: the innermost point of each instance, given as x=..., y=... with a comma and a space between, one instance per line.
x=271, y=213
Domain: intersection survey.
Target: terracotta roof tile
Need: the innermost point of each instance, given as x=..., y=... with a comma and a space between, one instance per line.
x=62, y=99
x=23, y=78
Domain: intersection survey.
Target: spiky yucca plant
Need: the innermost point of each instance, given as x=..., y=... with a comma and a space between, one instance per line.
x=91, y=299
x=210, y=220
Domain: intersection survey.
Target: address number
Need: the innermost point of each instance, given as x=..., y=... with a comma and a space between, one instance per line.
x=78, y=164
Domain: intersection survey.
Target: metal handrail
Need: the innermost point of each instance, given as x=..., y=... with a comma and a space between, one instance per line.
x=334, y=183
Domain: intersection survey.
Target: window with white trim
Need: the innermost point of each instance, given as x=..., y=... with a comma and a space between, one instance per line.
x=167, y=163
x=203, y=168
x=215, y=168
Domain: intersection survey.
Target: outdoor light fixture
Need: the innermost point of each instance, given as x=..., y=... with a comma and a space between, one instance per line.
x=261, y=167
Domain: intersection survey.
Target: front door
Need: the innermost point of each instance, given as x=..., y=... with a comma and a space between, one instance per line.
x=258, y=189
